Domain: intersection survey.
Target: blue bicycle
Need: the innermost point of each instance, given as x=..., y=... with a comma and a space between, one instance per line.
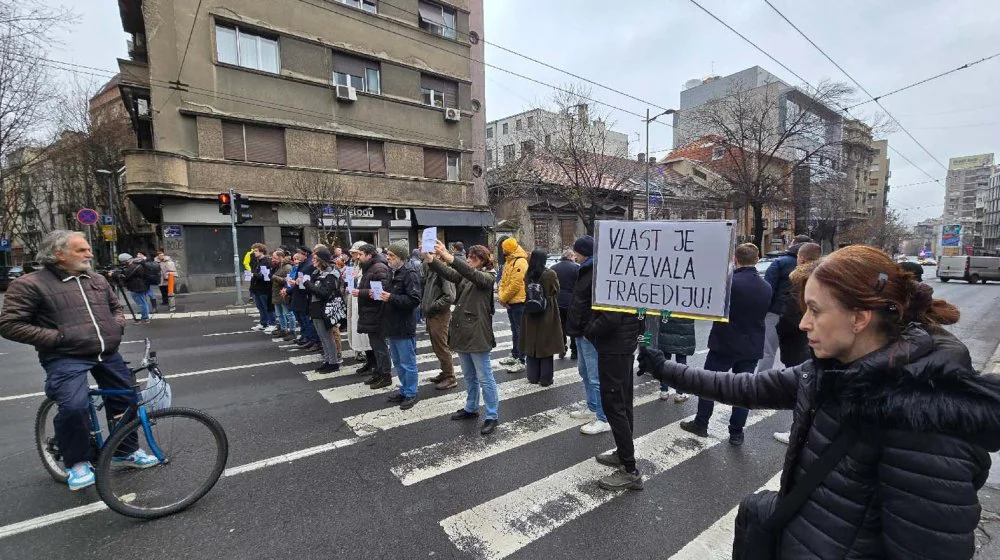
x=191, y=446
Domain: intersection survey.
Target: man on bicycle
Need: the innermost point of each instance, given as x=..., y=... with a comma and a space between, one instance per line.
x=74, y=320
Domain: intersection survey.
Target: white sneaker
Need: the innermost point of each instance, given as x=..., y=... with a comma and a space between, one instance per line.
x=680, y=397
x=270, y=329
x=664, y=395
x=583, y=414
x=257, y=328
x=516, y=367
x=782, y=437
x=595, y=427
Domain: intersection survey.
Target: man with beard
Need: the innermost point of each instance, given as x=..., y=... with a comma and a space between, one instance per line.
x=374, y=268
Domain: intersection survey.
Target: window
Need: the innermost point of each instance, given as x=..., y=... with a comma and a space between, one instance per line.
x=718, y=152
x=531, y=122
x=567, y=231
x=527, y=147
x=436, y=92
x=238, y=47
x=505, y=128
x=367, y=5
x=518, y=125
x=509, y=153
x=489, y=158
x=873, y=183
x=437, y=19
x=247, y=142
x=358, y=154
x=541, y=227
x=700, y=174
x=489, y=132
x=359, y=73
x=453, y=166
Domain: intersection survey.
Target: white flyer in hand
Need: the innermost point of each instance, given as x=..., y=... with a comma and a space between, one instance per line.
x=247, y=276
x=349, y=274
x=266, y=273
x=305, y=278
x=376, y=290
x=428, y=240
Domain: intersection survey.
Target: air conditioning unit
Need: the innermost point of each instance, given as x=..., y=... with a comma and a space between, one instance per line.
x=402, y=214
x=346, y=93
x=452, y=114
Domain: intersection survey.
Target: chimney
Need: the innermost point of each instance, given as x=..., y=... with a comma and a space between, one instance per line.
x=581, y=112
x=642, y=158
x=652, y=160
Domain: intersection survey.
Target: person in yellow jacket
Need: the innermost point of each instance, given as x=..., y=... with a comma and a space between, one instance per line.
x=511, y=294
x=246, y=260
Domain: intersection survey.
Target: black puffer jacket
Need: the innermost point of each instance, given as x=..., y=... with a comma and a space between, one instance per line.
x=677, y=337
x=908, y=488
x=398, y=318
x=369, y=310
x=578, y=315
x=324, y=287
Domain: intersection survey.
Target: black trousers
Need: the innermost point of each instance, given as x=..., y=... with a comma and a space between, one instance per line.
x=615, y=372
x=572, y=341
x=539, y=370
x=380, y=350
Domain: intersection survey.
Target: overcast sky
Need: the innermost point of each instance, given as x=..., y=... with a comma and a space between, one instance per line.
x=649, y=48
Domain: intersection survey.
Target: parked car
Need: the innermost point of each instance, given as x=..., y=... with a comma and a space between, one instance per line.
x=763, y=265
x=970, y=269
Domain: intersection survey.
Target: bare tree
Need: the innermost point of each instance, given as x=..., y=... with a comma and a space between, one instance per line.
x=570, y=154
x=884, y=231
x=328, y=202
x=832, y=207
x=772, y=135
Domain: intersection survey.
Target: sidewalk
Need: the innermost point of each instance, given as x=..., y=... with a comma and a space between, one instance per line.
x=203, y=304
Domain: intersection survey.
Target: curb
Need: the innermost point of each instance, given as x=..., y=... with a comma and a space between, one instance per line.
x=198, y=314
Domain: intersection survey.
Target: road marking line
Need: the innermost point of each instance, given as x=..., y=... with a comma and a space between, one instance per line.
x=360, y=391
x=451, y=454
x=230, y=333
x=375, y=421
x=50, y=519
x=502, y=526
x=705, y=351
x=716, y=542
x=311, y=375
x=289, y=457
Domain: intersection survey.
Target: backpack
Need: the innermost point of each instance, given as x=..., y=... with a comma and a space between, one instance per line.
x=151, y=270
x=534, y=300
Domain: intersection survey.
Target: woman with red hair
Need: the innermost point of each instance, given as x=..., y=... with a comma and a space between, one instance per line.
x=891, y=426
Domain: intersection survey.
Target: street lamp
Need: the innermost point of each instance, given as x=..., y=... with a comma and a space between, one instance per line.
x=649, y=120
x=112, y=177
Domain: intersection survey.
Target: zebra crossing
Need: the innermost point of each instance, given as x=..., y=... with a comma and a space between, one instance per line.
x=509, y=523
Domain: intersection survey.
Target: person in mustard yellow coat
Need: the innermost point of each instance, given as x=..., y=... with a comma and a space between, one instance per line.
x=511, y=294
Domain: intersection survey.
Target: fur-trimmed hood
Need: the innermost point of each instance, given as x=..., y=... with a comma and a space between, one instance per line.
x=923, y=382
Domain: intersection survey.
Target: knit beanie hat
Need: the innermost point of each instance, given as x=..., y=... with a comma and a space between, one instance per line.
x=509, y=245
x=584, y=246
x=124, y=257
x=400, y=249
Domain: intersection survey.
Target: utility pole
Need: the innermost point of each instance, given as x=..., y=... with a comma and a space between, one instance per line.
x=233, y=213
x=649, y=120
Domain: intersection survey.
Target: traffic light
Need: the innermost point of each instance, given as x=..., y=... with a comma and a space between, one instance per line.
x=242, y=205
x=225, y=206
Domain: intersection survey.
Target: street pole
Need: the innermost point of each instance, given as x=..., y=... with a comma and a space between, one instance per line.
x=111, y=212
x=646, y=162
x=236, y=249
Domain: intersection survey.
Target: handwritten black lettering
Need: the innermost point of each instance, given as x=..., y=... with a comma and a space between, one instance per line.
x=685, y=241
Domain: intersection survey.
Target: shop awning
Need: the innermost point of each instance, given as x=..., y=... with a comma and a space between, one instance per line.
x=453, y=218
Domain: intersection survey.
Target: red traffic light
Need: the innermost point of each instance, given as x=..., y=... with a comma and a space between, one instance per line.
x=223, y=198
x=225, y=203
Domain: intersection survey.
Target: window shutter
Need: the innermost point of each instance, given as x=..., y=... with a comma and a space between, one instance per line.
x=449, y=89
x=435, y=164
x=376, y=157
x=351, y=65
x=431, y=13
x=265, y=144
x=232, y=141
x=352, y=154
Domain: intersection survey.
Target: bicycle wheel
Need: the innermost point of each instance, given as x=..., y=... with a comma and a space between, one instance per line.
x=195, y=451
x=45, y=441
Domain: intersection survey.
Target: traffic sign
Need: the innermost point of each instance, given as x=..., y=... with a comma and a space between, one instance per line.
x=87, y=217
x=107, y=220
x=4, y=245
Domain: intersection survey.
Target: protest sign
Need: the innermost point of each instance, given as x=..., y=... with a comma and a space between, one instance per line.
x=376, y=287
x=349, y=276
x=680, y=267
x=428, y=240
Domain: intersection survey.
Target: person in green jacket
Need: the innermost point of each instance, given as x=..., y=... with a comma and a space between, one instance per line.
x=676, y=339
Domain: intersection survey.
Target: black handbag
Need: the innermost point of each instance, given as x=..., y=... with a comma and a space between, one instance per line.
x=762, y=538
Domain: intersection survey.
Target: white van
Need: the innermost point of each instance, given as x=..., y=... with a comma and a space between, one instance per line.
x=970, y=269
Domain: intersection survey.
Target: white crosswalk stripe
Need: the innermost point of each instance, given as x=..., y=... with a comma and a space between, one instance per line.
x=351, y=392
x=421, y=344
x=346, y=371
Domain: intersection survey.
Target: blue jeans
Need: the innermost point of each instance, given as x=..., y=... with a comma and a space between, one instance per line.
x=152, y=297
x=680, y=359
x=404, y=356
x=587, y=362
x=308, y=331
x=66, y=384
x=286, y=319
x=478, y=375
x=142, y=303
x=514, y=313
x=266, y=317
x=720, y=362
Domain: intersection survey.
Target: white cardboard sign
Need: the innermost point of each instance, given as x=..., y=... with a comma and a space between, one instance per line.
x=683, y=267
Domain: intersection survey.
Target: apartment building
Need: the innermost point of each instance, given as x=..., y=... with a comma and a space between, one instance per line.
x=966, y=189
x=991, y=215
x=358, y=112
x=510, y=138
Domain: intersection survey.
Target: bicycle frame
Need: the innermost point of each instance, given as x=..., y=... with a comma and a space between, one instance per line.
x=148, y=364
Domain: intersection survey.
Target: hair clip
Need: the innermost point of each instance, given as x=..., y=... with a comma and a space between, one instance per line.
x=880, y=285
x=893, y=308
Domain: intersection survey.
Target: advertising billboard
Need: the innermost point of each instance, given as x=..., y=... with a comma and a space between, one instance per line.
x=951, y=235
x=970, y=162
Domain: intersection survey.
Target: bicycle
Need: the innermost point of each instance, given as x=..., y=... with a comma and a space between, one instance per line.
x=129, y=491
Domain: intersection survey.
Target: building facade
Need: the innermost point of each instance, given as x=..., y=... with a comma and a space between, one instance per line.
x=510, y=138
x=991, y=215
x=878, y=180
x=966, y=190
x=353, y=111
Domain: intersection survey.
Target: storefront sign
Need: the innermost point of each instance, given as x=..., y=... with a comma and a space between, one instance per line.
x=172, y=231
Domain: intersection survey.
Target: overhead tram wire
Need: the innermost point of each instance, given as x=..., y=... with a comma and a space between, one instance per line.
x=855, y=82
x=767, y=54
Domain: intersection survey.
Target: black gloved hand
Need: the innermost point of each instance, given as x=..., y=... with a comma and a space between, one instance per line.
x=650, y=360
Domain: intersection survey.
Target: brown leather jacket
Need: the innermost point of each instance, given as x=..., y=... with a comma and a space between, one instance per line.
x=63, y=315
